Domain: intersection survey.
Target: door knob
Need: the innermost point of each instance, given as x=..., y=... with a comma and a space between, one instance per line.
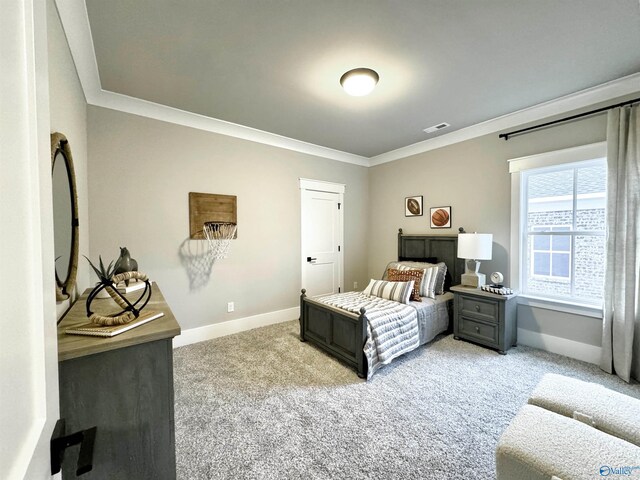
x=309, y=259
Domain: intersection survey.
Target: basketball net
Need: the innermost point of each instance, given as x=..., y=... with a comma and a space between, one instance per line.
x=219, y=235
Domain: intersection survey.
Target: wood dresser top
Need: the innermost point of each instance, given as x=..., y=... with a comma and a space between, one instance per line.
x=75, y=346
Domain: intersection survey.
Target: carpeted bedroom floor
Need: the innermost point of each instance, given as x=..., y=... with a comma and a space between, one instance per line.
x=263, y=405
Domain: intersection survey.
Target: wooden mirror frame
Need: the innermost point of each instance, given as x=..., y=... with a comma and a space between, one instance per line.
x=60, y=144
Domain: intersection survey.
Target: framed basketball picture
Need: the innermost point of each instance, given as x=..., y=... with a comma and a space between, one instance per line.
x=413, y=206
x=440, y=217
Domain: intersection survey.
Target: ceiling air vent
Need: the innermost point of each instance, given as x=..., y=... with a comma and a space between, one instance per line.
x=437, y=127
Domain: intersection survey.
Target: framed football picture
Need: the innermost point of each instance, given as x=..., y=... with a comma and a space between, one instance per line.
x=440, y=217
x=413, y=206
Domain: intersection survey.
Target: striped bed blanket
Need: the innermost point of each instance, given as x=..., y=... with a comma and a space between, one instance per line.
x=392, y=329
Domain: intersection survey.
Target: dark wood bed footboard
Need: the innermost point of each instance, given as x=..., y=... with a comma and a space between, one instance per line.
x=340, y=333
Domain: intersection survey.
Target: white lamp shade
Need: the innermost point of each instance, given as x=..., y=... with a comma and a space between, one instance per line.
x=475, y=246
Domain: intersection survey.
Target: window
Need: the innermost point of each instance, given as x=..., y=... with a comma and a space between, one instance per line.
x=550, y=255
x=561, y=229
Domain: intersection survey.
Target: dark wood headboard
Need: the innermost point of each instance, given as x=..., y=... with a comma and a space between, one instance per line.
x=427, y=248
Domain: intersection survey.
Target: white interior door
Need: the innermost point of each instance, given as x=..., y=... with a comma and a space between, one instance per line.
x=28, y=356
x=322, y=238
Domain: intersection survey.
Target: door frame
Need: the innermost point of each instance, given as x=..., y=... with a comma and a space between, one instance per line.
x=30, y=378
x=307, y=184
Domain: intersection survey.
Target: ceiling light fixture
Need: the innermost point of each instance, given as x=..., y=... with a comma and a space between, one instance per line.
x=359, y=81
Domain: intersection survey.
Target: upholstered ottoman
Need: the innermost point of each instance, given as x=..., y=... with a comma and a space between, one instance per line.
x=542, y=445
x=593, y=404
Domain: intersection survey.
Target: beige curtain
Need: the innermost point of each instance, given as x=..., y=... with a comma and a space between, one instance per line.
x=621, y=326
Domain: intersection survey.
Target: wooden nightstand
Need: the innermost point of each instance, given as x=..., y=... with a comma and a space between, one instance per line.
x=485, y=318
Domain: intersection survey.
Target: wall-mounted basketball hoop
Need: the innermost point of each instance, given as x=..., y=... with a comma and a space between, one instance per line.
x=213, y=218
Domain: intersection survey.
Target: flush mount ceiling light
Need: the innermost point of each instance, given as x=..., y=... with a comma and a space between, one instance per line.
x=359, y=81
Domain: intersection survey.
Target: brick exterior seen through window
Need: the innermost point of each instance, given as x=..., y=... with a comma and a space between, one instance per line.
x=573, y=265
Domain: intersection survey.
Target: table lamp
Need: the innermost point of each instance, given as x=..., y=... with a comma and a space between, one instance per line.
x=474, y=247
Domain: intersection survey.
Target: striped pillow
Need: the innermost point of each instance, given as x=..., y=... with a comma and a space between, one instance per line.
x=396, y=291
x=430, y=278
x=405, y=276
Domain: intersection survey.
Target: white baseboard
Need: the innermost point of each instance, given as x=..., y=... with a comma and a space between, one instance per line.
x=200, y=334
x=562, y=346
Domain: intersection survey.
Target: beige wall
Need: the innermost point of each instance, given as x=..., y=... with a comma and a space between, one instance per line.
x=68, y=115
x=140, y=174
x=560, y=324
x=473, y=177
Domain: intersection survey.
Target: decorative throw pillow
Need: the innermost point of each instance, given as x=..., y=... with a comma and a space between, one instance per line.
x=406, y=276
x=430, y=279
x=442, y=271
x=396, y=291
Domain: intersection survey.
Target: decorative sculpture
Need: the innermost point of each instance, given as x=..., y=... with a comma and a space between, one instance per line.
x=125, y=263
x=108, y=281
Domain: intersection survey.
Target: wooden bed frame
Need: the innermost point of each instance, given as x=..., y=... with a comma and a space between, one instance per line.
x=343, y=334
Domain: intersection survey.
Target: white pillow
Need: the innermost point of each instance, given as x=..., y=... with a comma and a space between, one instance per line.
x=396, y=291
x=429, y=279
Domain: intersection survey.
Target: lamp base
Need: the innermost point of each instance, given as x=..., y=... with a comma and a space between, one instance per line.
x=473, y=279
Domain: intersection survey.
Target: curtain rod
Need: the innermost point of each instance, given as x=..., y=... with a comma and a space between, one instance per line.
x=567, y=119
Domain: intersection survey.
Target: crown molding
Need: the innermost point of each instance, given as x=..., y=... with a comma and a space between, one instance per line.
x=75, y=22
x=144, y=108
x=584, y=98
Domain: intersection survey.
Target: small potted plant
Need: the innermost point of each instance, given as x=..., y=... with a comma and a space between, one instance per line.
x=104, y=275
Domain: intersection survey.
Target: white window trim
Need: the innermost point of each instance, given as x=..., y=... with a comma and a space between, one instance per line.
x=560, y=306
x=559, y=157
x=546, y=159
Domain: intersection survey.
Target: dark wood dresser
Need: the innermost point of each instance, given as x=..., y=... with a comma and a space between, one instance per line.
x=124, y=386
x=485, y=318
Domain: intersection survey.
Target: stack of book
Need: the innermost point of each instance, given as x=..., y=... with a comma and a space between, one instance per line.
x=499, y=290
x=95, y=330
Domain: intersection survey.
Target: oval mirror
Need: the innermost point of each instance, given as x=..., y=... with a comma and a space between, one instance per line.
x=65, y=216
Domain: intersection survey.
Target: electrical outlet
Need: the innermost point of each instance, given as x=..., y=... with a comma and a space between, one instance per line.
x=355, y=285
x=230, y=307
